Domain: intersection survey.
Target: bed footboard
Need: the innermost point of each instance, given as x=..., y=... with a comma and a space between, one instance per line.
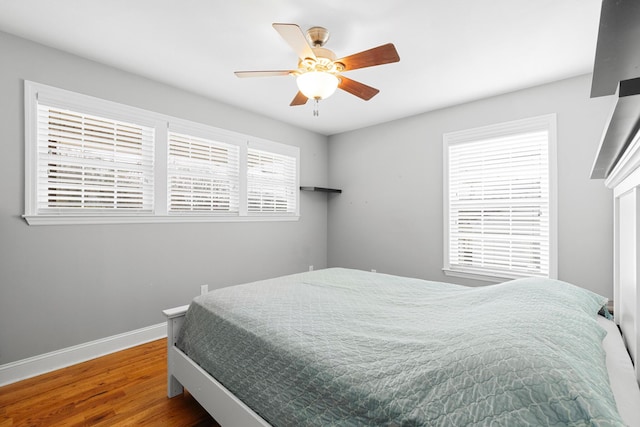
x=175, y=319
x=183, y=372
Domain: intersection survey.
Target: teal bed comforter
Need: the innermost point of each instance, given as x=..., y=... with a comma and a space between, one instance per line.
x=341, y=347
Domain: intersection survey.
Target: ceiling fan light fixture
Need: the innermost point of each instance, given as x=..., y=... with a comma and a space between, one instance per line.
x=319, y=73
x=317, y=84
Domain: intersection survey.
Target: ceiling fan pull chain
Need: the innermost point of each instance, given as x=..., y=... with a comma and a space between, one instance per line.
x=316, y=111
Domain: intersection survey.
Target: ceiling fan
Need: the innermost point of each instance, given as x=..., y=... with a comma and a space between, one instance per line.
x=319, y=73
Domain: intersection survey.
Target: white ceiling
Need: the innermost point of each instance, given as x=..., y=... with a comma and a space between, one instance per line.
x=451, y=51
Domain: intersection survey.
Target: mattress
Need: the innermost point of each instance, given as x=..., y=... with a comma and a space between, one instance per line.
x=341, y=347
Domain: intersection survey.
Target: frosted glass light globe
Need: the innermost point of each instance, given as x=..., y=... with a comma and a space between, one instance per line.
x=317, y=84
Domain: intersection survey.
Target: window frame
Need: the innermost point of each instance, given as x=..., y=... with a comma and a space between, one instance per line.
x=545, y=122
x=78, y=153
x=207, y=132
x=162, y=125
x=293, y=189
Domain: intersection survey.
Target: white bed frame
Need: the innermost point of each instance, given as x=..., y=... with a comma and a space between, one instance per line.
x=182, y=372
x=624, y=180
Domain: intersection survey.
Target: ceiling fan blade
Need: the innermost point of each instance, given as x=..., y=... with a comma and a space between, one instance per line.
x=384, y=54
x=299, y=99
x=358, y=89
x=243, y=74
x=294, y=36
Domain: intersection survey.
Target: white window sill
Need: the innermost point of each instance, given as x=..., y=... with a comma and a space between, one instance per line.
x=148, y=219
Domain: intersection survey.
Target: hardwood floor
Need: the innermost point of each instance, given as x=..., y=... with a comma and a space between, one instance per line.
x=121, y=389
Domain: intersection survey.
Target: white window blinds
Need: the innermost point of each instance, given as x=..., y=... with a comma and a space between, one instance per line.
x=271, y=182
x=499, y=203
x=92, y=164
x=203, y=175
x=94, y=161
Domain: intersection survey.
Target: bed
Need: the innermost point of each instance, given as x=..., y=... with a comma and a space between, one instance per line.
x=350, y=347
x=346, y=347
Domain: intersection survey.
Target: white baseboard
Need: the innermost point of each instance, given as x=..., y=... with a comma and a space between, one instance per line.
x=27, y=368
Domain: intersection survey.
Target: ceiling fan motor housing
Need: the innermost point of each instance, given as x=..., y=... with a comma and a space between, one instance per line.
x=317, y=36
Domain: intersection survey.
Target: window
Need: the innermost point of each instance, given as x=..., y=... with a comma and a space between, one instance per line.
x=499, y=200
x=203, y=175
x=272, y=184
x=93, y=164
x=94, y=161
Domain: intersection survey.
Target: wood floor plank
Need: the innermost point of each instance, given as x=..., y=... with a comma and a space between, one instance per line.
x=107, y=372
x=126, y=388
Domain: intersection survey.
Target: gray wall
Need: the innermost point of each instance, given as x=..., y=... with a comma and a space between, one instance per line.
x=65, y=285
x=389, y=216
